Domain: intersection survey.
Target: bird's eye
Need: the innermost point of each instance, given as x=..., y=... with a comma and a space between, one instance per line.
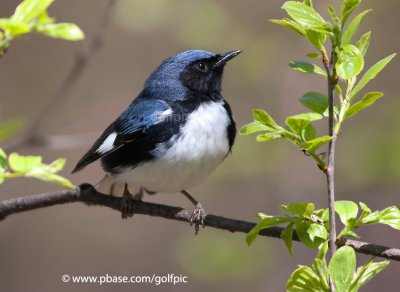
x=202, y=67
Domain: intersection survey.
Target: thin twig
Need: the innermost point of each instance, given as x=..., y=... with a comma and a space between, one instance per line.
x=33, y=136
x=330, y=171
x=88, y=195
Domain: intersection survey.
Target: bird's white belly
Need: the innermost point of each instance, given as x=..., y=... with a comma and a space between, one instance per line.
x=200, y=147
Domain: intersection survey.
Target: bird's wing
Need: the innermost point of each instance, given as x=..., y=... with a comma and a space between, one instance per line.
x=142, y=115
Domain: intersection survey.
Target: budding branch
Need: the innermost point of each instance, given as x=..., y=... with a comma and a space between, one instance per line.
x=87, y=194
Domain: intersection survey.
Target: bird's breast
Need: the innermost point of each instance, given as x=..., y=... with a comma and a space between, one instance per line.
x=204, y=133
x=190, y=155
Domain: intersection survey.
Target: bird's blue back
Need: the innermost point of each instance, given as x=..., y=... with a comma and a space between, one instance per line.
x=139, y=128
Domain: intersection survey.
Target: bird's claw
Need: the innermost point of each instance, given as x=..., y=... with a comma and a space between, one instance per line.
x=127, y=203
x=197, y=217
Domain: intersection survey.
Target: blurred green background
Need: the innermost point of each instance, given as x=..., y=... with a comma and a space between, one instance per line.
x=37, y=248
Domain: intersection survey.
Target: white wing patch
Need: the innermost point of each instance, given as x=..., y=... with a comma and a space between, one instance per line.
x=164, y=115
x=108, y=143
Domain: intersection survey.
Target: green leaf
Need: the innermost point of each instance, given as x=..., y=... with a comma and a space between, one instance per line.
x=66, y=31
x=365, y=209
x=347, y=210
x=308, y=3
x=301, y=209
x=302, y=232
x=290, y=24
x=368, y=100
x=9, y=128
x=304, y=279
x=32, y=166
x=366, y=273
x=390, y=216
x=342, y=267
x=314, y=55
x=316, y=38
x=30, y=9
x=44, y=18
x=269, y=221
x=47, y=172
x=312, y=145
x=315, y=101
x=320, y=268
x=317, y=230
x=56, y=165
x=261, y=216
x=50, y=177
x=334, y=15
x=13, y=26
x=268, y=137
x=307, y=68
x=352, y=28
x=371, y=218
x=266, y=222
x=3, y=161
x=264, y=118
x=335, y=110
x=319, y=212
x=350, y=62
x=325, y=215
x=287, y=237
x=363, y=43
x=23, y=164
x=350, y=233
x=309, y=133
x=303, y=14
x=371, y=74
x=347, y=8
x=323, y=249
x=298, y=123
x=3, y=155
x=255, y=127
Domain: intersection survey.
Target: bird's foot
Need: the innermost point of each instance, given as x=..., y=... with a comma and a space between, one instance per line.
x=127, y=203
x=197, y=217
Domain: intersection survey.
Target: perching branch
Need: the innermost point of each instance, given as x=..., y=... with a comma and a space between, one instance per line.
x=33, y=136
x=87, y=194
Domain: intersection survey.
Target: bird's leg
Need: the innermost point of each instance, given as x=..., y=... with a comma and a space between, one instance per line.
x=96, y=186
x=139, y=195
x=128, y=200
x=112, y=189
x=126, y=203
x=198, y=214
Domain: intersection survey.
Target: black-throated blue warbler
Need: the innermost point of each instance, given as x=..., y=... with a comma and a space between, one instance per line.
x=174, y=134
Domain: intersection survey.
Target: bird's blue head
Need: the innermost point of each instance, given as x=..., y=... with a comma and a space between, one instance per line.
x=195, y=70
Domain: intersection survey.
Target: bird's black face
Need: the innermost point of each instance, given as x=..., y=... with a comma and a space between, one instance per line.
x=205, y=75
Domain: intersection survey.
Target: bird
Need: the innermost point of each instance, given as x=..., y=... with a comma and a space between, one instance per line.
x=173, y=134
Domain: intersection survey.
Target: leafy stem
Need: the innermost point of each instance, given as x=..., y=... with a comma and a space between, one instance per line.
x=345, y=63
x=31, y=16
x=320, y=162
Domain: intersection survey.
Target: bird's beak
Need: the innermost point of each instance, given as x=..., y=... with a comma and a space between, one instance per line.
x=223, y=58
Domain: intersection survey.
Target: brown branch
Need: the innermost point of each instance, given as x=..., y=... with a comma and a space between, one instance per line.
x=88, y=195
x=33, y=136
x=330, y=171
